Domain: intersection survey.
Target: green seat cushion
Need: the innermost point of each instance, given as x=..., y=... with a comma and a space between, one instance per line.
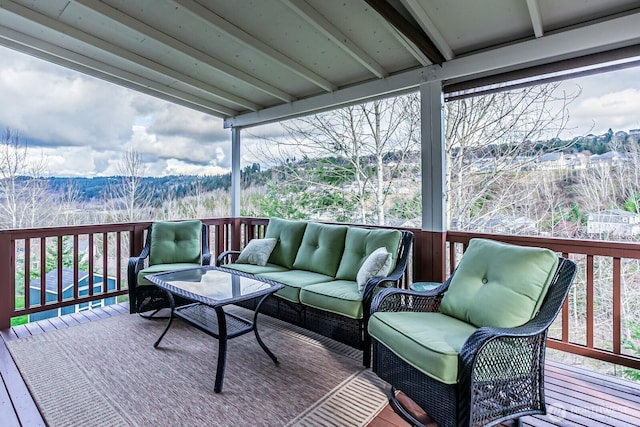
x=289, y=235
x=293, y=281
x=339, y=296
x=360, y=243
x=321, y=248
x=176, y=242
x=430, y=342
x=255, y=269
x=161, y=268
x=499, y=285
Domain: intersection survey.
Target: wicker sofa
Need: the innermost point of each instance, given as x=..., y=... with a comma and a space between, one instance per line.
x=319, y=265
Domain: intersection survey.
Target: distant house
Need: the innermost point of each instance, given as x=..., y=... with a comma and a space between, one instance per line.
x=609, y=158
x=614, y=221
x=51, y=292
x=551, y=161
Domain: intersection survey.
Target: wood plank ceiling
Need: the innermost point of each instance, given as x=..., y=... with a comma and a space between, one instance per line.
x=255, y=61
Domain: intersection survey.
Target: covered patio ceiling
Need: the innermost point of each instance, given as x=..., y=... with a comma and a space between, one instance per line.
x=257, y=61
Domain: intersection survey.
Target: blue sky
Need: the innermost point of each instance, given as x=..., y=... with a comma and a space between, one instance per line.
x=82, y=125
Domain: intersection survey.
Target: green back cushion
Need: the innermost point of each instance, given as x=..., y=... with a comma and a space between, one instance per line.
x=289, y=235
x=360, y=243
x=499, y=285
x=321, y=248
x=176, y=242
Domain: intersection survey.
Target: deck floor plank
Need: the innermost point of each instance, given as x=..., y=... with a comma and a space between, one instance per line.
x=611, y=402
x=7, y=413
x=25, y=408
x=34, y=328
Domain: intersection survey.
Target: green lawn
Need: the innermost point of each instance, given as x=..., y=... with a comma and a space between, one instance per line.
x=20, y=320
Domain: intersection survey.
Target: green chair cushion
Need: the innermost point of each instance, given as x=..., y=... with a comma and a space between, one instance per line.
x=360, y=243
x=499, y=285
x=321, y=248
x=289, y=235
x=176, y=242
x=256, y=269
x=293, y=281
x=161, y=268
x=339, y=296
x=430, y=342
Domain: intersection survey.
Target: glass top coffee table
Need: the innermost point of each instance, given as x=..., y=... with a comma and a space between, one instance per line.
x=209, y=289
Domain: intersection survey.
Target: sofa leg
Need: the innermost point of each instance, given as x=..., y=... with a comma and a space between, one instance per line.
x=366, y=352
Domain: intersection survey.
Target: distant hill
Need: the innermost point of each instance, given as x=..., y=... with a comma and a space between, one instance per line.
x=94, y=189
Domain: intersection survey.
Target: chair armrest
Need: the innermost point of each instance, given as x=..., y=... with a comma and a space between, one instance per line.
x=226, y=257
x=133, y=267
x=206, y=259
x=501, y=356
x=394, y=299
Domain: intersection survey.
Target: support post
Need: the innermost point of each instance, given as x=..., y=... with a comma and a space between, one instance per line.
x=235, y=186
x=7, y=278
x=431, y=253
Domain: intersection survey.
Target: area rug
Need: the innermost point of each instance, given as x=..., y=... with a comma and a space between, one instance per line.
x=107, y=373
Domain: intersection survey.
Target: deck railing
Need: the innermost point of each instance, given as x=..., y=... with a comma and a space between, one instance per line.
x=596, y=321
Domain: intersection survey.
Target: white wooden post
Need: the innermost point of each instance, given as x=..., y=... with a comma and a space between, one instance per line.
x=433, y=157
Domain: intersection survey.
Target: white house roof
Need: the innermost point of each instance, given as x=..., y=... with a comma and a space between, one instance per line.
x=254, y=61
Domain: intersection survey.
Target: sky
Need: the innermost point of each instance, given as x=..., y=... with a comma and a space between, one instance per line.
x=81, y=125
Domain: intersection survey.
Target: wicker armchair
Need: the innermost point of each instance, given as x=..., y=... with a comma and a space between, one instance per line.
x=168, y=246
x=500, y=371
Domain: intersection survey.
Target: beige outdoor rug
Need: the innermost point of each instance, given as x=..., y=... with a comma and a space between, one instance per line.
x=107, y=373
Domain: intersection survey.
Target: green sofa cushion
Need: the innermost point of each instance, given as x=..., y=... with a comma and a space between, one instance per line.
x=176, y=242
x=256, y=269
x=360, y=243
x=161, y=268
x=499, y=285
x=321, y=248
x=289, y=235
x=430, y=342
x=293, y=281
x=339, y=296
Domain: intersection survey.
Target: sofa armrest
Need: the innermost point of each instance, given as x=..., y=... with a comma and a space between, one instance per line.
x=374, y=284
x=227, y=257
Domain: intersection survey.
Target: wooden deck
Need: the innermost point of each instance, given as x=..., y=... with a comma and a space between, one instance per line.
x=585, y=397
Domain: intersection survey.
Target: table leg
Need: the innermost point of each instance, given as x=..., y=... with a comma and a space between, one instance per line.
x=255, y=329
x=222, y=349
x=172, y=304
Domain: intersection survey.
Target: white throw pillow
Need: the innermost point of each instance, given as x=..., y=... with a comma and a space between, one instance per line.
x=377, y=263
x=257, y=252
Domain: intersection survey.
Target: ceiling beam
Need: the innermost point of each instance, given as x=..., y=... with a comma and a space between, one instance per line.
x=404, y=41
x=66, y=58
x=246, y=39
x=597, y=37
x=423, y=19
x=65, y=30
x=422, y=42
x=150, y=33
x=536, y=20
x=319, y=22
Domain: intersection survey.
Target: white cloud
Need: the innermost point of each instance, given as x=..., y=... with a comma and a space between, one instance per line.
x=82, y=125
x=608, y=100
